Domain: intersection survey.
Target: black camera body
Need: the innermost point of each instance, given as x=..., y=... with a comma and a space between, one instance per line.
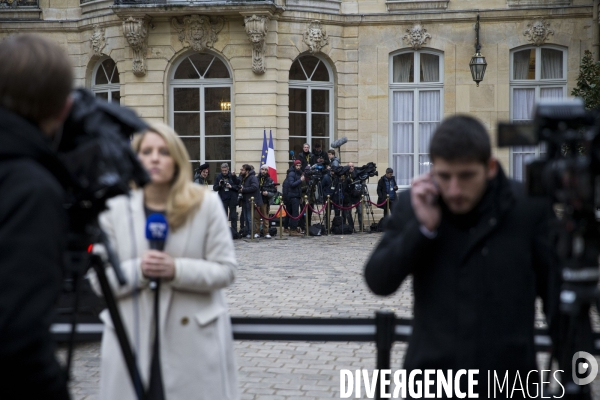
x=365, y=172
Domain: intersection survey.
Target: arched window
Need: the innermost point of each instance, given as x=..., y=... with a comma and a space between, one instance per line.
x=311, y=103
x=416, y=108
x=200, y=89
x=535, y=73
x=105, y=81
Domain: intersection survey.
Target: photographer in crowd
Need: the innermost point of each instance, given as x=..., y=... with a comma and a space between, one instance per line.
x=267, y=191
x=329, y=189
x=387, y=185
x=353, y=193
x=201, y=175
x=306, y=157
x=294, y=193
x=250, y=188
x=333, y=160
x=479, y=252
x=319, y=155
x=35, y=84
x=227, y=185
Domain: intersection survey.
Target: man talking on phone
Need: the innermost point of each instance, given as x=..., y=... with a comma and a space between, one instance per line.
x=479, y=252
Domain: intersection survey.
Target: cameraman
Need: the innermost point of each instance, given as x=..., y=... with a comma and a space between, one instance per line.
x=227, y=185
x=479, y=252
x=35, y=84
x=354, y=191
x=333, y=160
x=267, y=190
x=306, y=157
x=329, y=188
x=249, y=188
x=294, y=193
x=387, y=185
x=319, y=155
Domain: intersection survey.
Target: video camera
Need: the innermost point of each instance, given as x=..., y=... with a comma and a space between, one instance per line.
x=315, y=172
x=365, y=172
x=568, y=173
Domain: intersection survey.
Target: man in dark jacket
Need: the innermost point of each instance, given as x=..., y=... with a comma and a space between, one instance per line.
x=227, y=185
x=319, y=155
x=295, y=179
x=479, y=252
x=387, y=186
x=353, y=194
x=250, y=188
x=267, y=191
x=35, y=85
x=306, y=157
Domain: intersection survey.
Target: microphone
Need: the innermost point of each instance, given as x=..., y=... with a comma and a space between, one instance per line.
x=157, y=230
x=292, y=153
x=338, y=143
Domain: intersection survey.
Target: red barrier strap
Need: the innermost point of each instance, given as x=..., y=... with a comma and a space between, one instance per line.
x=345, y=208
x=267, y=218
x=378, y=205
x=318, y=212
x=289, y=214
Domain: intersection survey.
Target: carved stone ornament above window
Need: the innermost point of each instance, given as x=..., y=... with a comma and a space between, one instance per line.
x=135, y=30
x=98, y=40
x=529, y=3
x=256, y=29
x=404, y=5
x=315, y=37
x=416, y=36
x=198, y=31
x=538, y=32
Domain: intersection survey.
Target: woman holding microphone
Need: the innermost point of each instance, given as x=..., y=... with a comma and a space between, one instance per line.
x=198, y=261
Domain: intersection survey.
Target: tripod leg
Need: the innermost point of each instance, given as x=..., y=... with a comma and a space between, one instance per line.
x=111, y=304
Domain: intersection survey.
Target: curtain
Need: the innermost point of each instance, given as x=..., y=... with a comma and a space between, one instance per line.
x=551, y=93
x=430, y=68
x=403, y=64
x=523, y=102
x=429, y=119
x=403, y=136
x=552, y=64
x=521, y=64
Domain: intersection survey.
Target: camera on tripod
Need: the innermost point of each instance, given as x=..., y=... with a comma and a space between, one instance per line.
x=568, y=173
x=365, y=172
x=315, y=172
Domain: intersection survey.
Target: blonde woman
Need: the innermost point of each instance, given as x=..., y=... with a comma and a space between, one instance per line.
x=198, y=262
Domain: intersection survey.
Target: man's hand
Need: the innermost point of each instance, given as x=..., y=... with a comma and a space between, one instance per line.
x=158, y=264
x=302, y=178
x=265, y=193
x=424, y=199
x=228, y=185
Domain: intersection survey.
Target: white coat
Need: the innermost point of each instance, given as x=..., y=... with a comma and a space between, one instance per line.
x=196, y=338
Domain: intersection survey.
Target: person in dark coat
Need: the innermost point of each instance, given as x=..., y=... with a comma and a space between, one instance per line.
x=201, y=175
x=35, y=86
x=479, y=253
x=387, y=185
x=294, y=193
x=306, y=157
x=320, y=156
x=250, y=188
x=227, y=184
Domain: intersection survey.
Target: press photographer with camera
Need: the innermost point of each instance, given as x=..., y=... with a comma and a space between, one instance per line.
x=295, y=180
x=249, y=188
x=195, y=355
x=267, y=191
x=36, y=80
x=319, y=155
x=387, y=186
x=353, y=193
x=227, y=186
x=479, y=252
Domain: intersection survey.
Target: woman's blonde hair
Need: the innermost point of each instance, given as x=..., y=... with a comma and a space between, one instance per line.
x=184, y=197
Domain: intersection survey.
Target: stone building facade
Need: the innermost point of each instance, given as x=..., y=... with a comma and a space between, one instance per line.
x=381, y=73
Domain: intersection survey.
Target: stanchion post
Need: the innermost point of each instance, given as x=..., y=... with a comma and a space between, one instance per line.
x=281, y=222
x=306, y=213
x=362, y=213
x=385, y=329
x=328, y=225
x=252, y=219
x=387, y=204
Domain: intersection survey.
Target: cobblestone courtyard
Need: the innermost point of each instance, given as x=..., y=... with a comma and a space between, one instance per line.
x=314, y=277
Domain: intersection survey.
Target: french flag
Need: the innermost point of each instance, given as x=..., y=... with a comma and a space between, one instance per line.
x=268, y=155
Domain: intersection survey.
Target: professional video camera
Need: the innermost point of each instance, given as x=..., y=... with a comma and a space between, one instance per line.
x=365, y=172
x=315, y=172
x=341, y=170
x=95, y=148
x=569, y=174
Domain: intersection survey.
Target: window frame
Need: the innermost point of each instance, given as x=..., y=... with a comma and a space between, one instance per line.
x=537, y=84
x=201, y=84
x=415, y=87
x=309, y=86
x=108, y=88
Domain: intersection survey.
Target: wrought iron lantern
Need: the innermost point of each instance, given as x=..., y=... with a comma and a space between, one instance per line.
x=478, y=63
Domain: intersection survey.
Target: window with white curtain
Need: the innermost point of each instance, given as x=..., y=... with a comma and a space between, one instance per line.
x=416, y=93
x=536, y=73
x=105, y=81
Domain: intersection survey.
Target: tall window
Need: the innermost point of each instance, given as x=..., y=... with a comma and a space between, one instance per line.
x=416, y=110
x=200, y=88
x=105, y=81
x=536, y=73
x=311, y=99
